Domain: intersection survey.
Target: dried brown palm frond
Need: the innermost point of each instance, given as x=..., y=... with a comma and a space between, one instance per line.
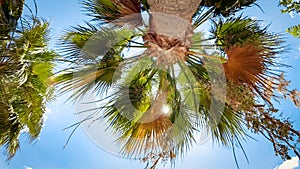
x=246, y=65
x=129, y=11
x=295, y=97
x=283, y=89
x=128, y=7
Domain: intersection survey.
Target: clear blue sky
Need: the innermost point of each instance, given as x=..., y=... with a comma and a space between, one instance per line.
x=82, y=153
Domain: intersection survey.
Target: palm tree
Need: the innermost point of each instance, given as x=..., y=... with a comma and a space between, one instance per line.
x=25, y=65
x=183, y=81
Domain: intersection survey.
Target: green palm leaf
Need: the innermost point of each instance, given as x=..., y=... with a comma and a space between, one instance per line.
x=227, y=7
x=112, y=10
x=94, y=68
x=27, y=65
x=10, y=13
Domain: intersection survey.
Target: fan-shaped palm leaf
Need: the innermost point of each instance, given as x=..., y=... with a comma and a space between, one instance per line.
x=94, y=68
x=250, y=53
x=114, y=10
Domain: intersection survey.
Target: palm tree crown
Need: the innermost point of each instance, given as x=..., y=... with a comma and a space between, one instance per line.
x=183, y=81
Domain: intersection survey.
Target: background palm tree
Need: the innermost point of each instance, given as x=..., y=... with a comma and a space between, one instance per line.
x=25, y=66
x=161, y=98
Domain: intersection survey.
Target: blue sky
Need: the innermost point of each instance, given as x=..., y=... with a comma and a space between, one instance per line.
x=82, y=153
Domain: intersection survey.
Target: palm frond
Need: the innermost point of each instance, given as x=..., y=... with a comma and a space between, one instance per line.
x=227, y=7
x=83, y=45
x=201, y=17
x=159, y=134
x=99, y=78
x=97, y=56
x=24, y=87
x=229, y=125
x=233, y=31
x=250, y=53
x=215, y=116
x=129, y=109
x=114, y=10
x=10, y=13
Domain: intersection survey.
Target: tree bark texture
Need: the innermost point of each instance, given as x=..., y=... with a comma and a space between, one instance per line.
x=172, y=17
x=181, y=8
x=170, y=31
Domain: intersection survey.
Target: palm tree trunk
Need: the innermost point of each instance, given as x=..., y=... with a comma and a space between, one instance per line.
x=170, y=29
x=181, y=8
x=172, y=17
